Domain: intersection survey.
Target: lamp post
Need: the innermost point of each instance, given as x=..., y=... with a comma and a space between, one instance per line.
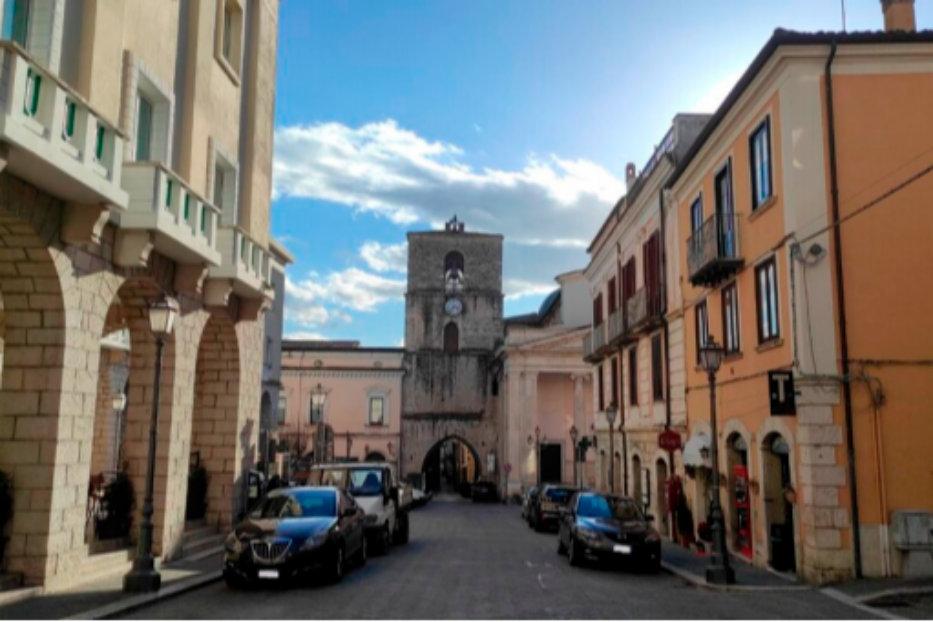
x=611, y=413
x=318, y=399
x=144, y=577
x=538, y=453
x=573, y=441
x=349, y=444
x=719, y=571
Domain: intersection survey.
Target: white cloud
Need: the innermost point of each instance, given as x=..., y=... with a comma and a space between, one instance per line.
x=305, y=336
x=517, y=288
x=352, y=289
x=393, y=172
x=385, y=257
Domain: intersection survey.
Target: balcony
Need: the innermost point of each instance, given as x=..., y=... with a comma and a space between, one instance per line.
x=165, y=213
x=54, y=139
x=642, y=311
x=244, y=265
x=594, y=344
x=616, y=325
x=713, y=253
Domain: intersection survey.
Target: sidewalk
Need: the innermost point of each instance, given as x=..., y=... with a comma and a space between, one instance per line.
x=898, y=597
x=692, y=567
x=104, y=598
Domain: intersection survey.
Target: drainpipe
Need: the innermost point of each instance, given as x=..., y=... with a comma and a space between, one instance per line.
x=841, y=306
x=672, y=471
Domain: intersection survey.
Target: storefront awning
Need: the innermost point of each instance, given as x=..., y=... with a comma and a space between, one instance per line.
x=694, y=451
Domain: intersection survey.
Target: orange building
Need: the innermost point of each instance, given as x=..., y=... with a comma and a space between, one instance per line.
x=805, y=240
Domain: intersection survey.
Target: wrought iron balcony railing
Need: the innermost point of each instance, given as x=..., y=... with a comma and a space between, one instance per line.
x=713, y=252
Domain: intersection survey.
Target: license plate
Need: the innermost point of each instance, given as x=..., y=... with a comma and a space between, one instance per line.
x=624, y=549
x=268, y=574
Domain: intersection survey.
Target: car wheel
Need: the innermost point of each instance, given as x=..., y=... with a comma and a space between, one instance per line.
x=402, y=534
x=561, y=549
x=234, y=582
x=336, y=571
x=538, y=527
x=385, y=540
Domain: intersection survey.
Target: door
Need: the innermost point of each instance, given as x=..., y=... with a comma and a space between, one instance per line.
x=725, y=212
x=743, y=510
x=551, y=459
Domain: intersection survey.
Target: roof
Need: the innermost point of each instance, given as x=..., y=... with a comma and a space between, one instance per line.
x=533, y=319
x=282, y=253
x=779, y=39
x=298, y=345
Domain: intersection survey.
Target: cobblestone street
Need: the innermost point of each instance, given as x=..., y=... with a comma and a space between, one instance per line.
x=481, y=561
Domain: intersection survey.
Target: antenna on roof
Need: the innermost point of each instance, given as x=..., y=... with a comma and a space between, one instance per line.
x=843, y=15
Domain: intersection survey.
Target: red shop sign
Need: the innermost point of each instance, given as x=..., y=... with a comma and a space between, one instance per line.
x=669, y=440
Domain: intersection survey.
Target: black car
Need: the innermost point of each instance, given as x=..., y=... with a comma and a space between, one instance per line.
x=294, y=531
x=545, y=507
x=484, y=490
x=528, y=502
x=599, y=527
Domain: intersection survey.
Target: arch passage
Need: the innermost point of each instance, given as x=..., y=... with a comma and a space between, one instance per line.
x=450, y=463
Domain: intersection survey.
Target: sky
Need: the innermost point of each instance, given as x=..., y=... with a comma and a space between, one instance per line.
x=518, y=116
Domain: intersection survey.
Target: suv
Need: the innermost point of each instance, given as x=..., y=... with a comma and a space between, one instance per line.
x=386, y=501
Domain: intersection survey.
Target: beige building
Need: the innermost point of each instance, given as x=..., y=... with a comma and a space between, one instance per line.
x=542, y=389
x=636, y=341
x=353, y=392
x=135, y=148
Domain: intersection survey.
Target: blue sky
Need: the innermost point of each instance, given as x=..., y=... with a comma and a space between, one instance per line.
x=517, y=115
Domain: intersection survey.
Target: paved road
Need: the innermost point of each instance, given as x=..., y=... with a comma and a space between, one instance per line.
x=481, y=561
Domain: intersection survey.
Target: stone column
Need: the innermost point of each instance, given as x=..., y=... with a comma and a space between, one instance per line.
x=530, y=419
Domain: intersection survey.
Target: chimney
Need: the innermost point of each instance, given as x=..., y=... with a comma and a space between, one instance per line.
x=629, y=176
x=899, y=15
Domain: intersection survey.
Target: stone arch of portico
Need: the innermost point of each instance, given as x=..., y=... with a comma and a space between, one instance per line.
x=422, y=434
x=460, y=439
x=734, y=428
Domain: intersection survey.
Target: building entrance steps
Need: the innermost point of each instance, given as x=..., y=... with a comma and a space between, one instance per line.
x=201, y=539
x=691, y=567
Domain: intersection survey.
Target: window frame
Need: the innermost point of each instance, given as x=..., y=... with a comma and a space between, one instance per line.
x=772, y=291
x=312, y=411
x=731, y=340
x=229, y=38
x=381, y=398
x=143, y=103
x=702, y=336
x=697, y=209
x=762, y=129
x=281, y=411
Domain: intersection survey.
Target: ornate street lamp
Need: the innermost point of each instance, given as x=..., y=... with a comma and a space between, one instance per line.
x=349, y=444
x=611, y=413
x=719, y=571
x=573, y=441
x=318, y=399
x=144, y=577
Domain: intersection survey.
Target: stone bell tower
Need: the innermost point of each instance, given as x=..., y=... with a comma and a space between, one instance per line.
x=453, y=325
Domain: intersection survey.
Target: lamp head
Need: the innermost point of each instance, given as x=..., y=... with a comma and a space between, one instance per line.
x=711, y=356
x=162, y=314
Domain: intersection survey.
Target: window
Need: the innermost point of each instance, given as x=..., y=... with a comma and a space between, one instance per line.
x=725, y=212
x=143, y=129
x=228, y=43
x=598, y=310
x=282, y=410
x=317, y=412
x=730, y=319
x=766, y=287
x=376, y=410
x=657, y=368
x=228, y=33
x=16, y=21
x=613, y=301
x=225, y=188
x=724, y=204
x=702, y=327
x=628, y=281
x=454, y=261
x=615, y=381
x=760, y=157
x=268, y=350
x=633, y=376
x=451, y=338
x=68, y=128
x=696, y=215
x=600, y=388
x=651, y=254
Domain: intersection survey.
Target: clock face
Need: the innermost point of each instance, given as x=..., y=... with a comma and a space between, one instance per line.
x=453, y=306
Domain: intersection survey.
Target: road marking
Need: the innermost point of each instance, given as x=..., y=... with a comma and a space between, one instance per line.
x=541, y=581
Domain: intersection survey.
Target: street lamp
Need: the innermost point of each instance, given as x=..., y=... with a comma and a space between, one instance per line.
x=144, y=577
x=349, y=444
x=611, y=413
x=573, y=441
x=719, y=571
x=318, y=399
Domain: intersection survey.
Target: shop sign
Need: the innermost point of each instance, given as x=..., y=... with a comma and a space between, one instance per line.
x=669, y=440
x=782, y=394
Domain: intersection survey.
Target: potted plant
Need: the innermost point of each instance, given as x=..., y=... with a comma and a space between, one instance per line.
x=196, y=506
x=6, y=510
x=117, y=509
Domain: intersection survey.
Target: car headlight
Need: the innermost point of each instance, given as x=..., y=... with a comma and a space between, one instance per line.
x=314, y=541
x=653, y=536
x=588, y=534
x=233, y=544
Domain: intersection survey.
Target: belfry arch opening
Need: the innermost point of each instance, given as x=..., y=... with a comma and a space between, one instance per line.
x=449, y=465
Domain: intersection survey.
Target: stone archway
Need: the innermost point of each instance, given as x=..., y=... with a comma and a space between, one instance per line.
x=452, y=461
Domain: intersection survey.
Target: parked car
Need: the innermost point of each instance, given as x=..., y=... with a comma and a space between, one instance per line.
x=545, y=508
x=596, y=527
x=419, y=493
x=293, y=531
x=374, y=486
x=527, y=500
x=484, y=490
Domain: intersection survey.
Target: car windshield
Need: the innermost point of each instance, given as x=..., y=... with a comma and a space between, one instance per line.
x=298, y=504
x=559, y=495
x=365, y=482
x=609, y=507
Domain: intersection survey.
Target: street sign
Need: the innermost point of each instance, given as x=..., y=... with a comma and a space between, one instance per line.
x=669, y=440
x=781, y=392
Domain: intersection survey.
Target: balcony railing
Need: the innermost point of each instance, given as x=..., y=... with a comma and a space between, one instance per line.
x=244, y=262
x=616, y=325
x=183, y=223
x=642, y=310
x=56, y=140
x=713, y=252
x=594, y=343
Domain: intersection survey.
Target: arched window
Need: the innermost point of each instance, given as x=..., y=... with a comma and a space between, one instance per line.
x=451, y=338
x=453, y=273
x=453, y=261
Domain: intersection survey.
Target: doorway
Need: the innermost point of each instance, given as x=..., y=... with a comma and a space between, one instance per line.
x=551, y=463
x=779, y=500
x=740, y=507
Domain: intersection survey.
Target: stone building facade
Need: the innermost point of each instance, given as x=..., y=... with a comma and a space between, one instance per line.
x=136, y=164
x=453, y=325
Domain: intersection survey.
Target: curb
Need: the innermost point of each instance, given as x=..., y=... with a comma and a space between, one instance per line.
x=855, y=604
x=699, y=581
x=895, y=591
x=138, y=602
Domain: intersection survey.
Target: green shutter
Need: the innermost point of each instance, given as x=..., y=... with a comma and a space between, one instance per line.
x=168, y=194
x=243, y=249
x=33, y=88
x=70, y=111
x=99, y=146
x=203, y=218
x=187, y=206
